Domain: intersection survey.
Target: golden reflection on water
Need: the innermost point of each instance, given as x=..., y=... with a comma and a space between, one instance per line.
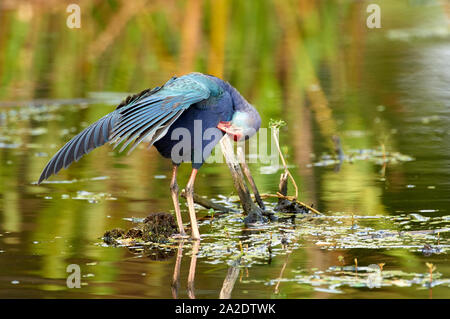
x=313, y=64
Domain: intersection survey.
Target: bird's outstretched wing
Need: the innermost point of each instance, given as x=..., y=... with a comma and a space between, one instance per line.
x=91, y=137
x=149, y=118
x=145, y=116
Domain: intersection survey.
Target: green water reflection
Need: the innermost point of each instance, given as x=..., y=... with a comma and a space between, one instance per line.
x=314, y=64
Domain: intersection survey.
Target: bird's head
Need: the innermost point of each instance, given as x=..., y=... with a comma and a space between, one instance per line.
x=245, y=121
x=243, y=125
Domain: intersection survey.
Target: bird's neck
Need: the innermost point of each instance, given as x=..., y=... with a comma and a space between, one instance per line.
x=239, y=102
x=241, y=106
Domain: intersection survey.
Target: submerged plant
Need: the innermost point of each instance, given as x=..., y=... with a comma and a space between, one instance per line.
x=211, y=213
x=431, y=268
x=342, y=261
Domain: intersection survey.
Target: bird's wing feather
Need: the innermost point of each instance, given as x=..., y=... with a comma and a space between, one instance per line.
x=149, y=118
x=144, y=116
x=91, y=137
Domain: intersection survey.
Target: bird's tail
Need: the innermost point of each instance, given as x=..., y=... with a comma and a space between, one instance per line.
x=91, y=137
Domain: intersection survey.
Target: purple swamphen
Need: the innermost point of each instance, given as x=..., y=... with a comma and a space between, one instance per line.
x=196, y=103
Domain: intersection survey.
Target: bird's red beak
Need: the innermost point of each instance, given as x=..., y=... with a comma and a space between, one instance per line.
x=233, y=130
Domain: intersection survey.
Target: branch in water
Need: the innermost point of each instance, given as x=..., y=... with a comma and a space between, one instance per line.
x=207, y=203
x=291, y=198
x=253, y=212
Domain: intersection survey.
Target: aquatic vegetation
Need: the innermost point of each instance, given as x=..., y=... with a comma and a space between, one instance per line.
x=226, y=236
x=91, y=197
x=431, y=269
x=154, y=229
x=336, y=279
x=411, y=34
x=384, y=93
x=276, y=125
x=75, y=180
x=377, y=156
x=229, y=243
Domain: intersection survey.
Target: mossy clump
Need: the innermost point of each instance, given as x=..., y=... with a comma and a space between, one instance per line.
x=290, y=207
x=134, y=233
x=158, y=227
x=110, y=237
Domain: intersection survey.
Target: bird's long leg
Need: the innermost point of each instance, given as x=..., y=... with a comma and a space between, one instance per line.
x=190, y=201
x=175, y=192
x=191, y=276
x=176, y=271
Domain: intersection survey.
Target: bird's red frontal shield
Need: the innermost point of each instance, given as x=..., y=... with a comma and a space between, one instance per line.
x=231, y=129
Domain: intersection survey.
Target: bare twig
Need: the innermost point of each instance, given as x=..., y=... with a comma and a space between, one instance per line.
x=248, y=174
x=281, y=273
x=253, y=212
x=275, y=136
x=207, y=203
x=291, y=198
x=230, y=280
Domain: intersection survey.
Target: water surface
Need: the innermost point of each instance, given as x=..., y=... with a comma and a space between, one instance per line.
x=316, y=67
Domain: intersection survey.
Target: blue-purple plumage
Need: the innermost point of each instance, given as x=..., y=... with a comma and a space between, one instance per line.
x=197, y=120
x=153, y=115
